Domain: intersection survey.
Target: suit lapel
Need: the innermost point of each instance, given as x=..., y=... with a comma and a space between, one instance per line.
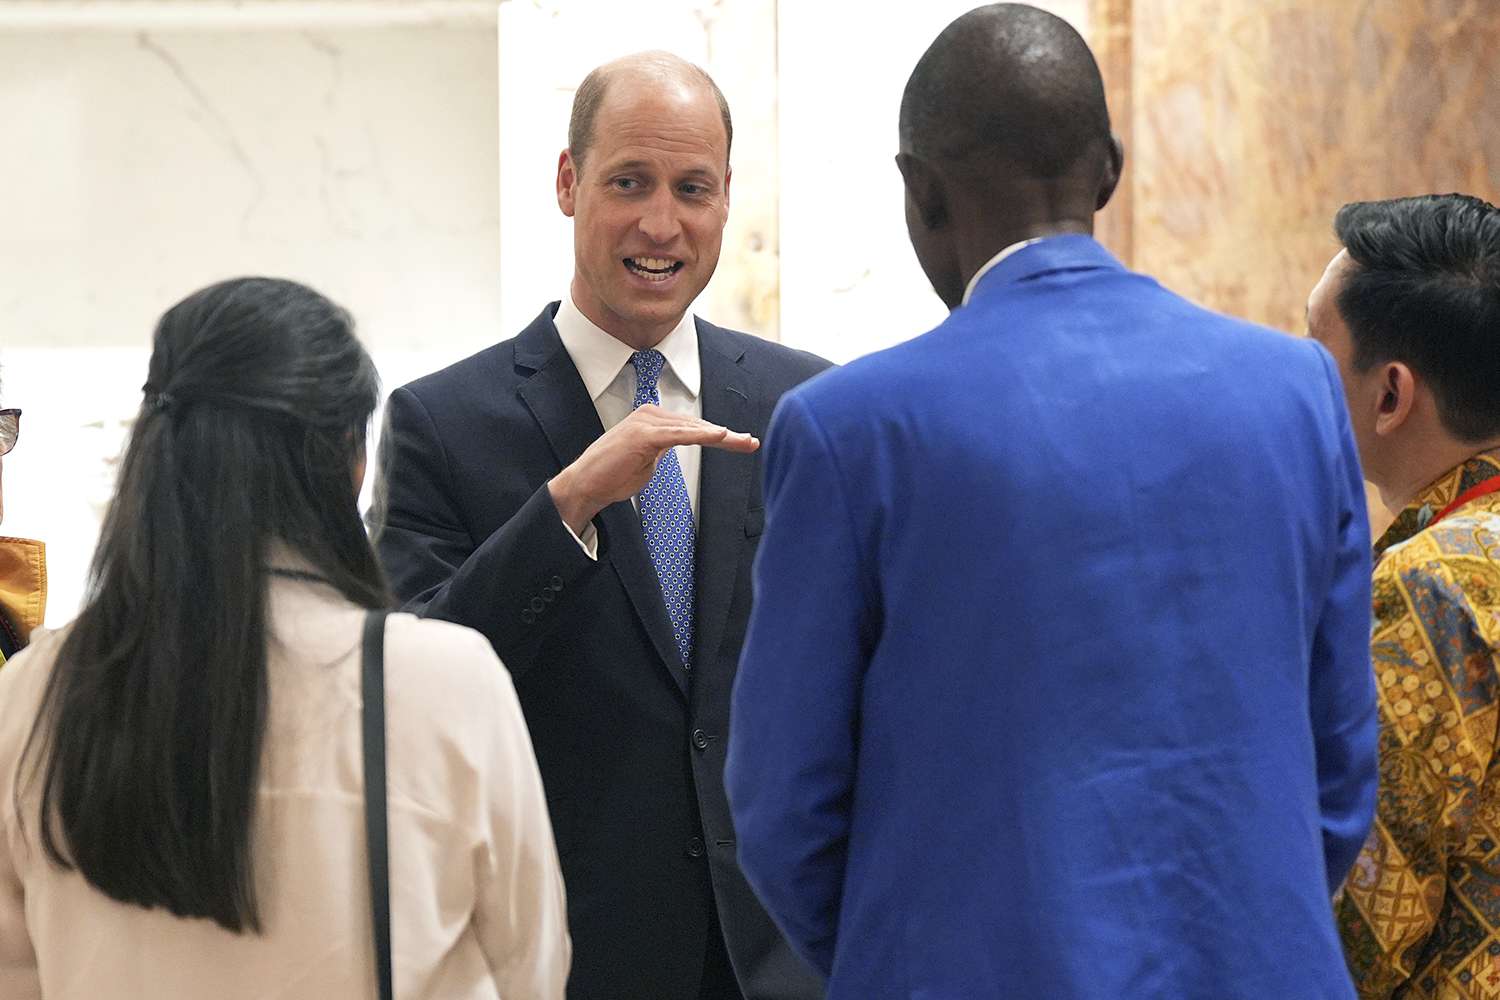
x=559, y=401
x=555, y=393
x=724, y=488
x=621, y=527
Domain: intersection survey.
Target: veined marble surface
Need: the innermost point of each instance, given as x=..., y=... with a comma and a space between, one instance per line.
x=1255, y=121
x=141, y=164
x=153, y=148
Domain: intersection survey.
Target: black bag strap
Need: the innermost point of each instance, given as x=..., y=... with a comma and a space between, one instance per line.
x=372, y=685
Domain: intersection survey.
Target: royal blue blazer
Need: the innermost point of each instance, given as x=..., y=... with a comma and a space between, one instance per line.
x=1057, y=683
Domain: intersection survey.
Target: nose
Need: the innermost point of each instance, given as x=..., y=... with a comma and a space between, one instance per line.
x=659, y=222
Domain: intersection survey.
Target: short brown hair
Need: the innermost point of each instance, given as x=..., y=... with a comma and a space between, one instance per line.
x=590, y=97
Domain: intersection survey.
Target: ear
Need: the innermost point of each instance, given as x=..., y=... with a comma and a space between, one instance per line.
x=1114, y=166
x=925, y=190
x=1398, y=394
x=567, y=183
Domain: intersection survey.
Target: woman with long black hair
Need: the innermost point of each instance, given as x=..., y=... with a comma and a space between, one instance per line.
x=181, y=795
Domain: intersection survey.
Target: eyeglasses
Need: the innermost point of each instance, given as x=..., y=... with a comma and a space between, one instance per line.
x=10, y=429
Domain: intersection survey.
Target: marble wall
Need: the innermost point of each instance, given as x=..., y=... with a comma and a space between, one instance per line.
x=1250, y=122
x=153, y=146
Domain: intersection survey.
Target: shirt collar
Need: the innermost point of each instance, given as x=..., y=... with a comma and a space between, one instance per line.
x=993, y=262
x=599, y=357
x=1439, y=494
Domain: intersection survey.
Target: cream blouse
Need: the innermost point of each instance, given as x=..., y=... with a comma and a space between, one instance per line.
x=477, y=907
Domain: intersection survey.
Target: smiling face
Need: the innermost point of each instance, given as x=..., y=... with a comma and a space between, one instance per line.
x=648, y=203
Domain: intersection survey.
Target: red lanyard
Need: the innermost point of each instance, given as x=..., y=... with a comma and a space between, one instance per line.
x=1488, y=486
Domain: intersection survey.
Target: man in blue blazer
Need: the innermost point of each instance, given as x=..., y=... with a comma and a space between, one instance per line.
x=1057, y=683
x=576, y=495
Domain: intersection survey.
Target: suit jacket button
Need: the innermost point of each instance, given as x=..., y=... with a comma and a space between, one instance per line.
x=556, y=583
x=695, y=847
x=528, y=616
x=700, y=739
x=538, y=605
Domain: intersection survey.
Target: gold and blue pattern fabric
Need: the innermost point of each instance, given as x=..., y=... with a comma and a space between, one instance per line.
x=1420, y=911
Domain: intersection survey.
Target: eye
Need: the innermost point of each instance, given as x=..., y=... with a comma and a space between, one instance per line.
x=693, y=190
x=626, y=183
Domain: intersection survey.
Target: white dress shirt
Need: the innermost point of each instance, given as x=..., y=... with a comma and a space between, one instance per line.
x=477, y=904
x=604, y=364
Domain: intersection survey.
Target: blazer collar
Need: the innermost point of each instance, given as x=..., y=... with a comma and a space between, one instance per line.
x=536, y=344
x=599, y=357
x=560, y=403
x=730, y=395
x=1069, y=252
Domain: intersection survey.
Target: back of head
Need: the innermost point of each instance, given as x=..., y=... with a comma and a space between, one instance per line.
x=1004, y=138
x=245, y=447
x=1425, y=291
x=1007, y=81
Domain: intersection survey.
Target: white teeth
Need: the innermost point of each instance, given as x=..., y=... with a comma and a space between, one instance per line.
x=653, y=268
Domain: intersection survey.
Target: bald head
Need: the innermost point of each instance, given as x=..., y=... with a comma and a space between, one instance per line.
x=653, y=69
x=1011, y=81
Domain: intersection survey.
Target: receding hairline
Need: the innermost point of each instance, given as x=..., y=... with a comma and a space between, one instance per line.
x=653, y=65
x=655, y=62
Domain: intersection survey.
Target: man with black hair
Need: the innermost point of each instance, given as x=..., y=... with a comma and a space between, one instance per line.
x=1410, y=308
x=1057, y=682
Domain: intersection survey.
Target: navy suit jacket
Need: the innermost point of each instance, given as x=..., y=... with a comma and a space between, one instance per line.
x=1058, y=679
x=630, y=743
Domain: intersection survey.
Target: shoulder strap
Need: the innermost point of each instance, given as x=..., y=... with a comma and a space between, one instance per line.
x=372, y=685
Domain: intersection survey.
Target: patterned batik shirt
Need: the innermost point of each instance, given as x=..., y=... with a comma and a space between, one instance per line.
x=1420, y=911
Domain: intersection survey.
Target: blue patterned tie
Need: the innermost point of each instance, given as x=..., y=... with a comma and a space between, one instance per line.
x=667, y=517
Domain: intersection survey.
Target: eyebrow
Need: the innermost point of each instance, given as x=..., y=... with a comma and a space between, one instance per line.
x=629, y=165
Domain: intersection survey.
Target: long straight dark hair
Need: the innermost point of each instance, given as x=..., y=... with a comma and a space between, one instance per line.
x=149, y=739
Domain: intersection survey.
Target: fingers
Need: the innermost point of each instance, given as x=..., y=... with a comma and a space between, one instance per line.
x=667, y=430
x=701, y=432
x=737, y=442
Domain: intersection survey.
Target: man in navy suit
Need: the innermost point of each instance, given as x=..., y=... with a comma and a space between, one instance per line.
x=1057, y=683
x=587, y=495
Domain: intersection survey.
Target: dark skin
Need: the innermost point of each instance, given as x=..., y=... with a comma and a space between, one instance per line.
x=960, y=215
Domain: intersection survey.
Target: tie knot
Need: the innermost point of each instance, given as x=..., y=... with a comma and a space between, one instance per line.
x=648, y=366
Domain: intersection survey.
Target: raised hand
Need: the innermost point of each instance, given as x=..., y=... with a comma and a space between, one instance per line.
x=621, y=462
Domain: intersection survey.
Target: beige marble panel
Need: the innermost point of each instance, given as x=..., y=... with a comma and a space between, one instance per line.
x=1254, y=120
x=1111, y=36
